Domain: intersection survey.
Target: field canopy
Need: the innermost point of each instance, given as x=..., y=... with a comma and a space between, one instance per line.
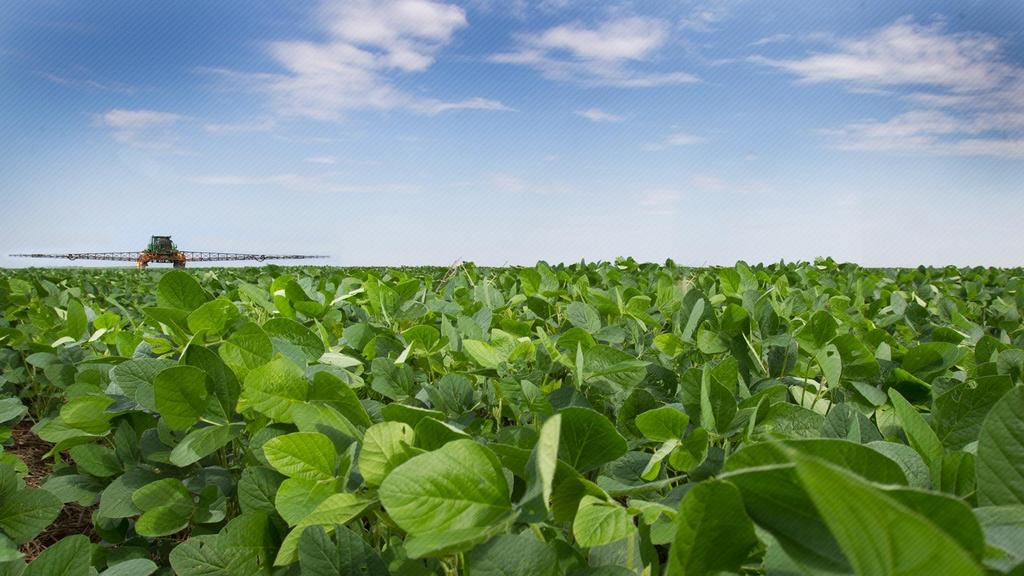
x=595, y=419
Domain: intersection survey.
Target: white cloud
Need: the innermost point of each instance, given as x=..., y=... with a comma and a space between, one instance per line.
x=259, y=125
x=138, y=119
x=144, y=129
x=773, y=39
x=81, y=80
x=320, y=183
x=967, y=99
x=712, y=183
x=370, y=44
x=436, y=107
x=936, y=132
x=598, y=115
x=674, y=140
x=706, y=15
x=905, y=53
x=604, y=55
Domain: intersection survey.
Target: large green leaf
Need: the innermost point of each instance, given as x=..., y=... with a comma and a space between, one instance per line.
x=713, y=532
x=541, y=469
x=919, y=433
x=296, y=498
x=213, y=316
x=69, y=557
x=305, y=455
x=877, y=534
x=134, y=378
x=24, y=513
x=337, y=509
x=663, y=423
x=458, y=487
x=1004, y=531
x=482, y=353
x=513, y=555
x=116, y=500
x=274, y=389
x=588, y=439
x=599, y=522
x=957, y=414
x=386, y=445
x=926, y=361
x=345, y=553
x=257, y=489
x=202, y=442
x=179, y=289
x=243, y=548
x=246, y=348
x=1000, y=462
x=181, y=395
x=583, y=315
x=776, y=500
x=133, y=567
x=166, y=507
x=289, y=335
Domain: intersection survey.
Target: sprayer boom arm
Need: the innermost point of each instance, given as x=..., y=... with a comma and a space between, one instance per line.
x=181, y=255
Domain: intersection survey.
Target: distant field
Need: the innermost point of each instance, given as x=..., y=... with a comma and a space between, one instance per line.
x=594, y=419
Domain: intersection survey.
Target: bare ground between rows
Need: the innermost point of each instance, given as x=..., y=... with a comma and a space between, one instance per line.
x=73, y=518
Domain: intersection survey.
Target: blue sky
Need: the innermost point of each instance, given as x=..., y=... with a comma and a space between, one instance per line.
x=425, y=131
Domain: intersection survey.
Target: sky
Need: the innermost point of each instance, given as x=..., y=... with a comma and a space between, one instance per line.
x=387, y=132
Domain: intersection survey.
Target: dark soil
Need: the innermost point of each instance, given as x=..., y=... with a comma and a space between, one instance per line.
x=73, y=518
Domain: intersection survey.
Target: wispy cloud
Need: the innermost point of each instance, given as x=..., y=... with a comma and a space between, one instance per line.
x=670, y=200
x=905, y=53
x=305, y=183
x=257, y=125
x=608, y=54
x=598, y=115
x=706, y=16
x=938, y=133
x=370, y=45
x=144, y=129
x=773, y=39
x=712, y=183
x=81, y=79
x=675, y=140
x=966, y=98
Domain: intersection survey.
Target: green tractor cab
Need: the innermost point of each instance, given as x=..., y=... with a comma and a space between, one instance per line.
x=161, y=245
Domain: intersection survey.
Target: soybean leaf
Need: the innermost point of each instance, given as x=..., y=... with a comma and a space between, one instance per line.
x=346, y=553
x=663, y=423
x=600, y=522
x=202, y=442
x=304, y=455
x=274, y=389
x=457, y=488
x=65, y=558
x=181, y=395
x=1000, y=463
x=386, y=446
x=588, y=439
x=713, y=532
x=879, y=535
x=513, y=555
x=178, y=289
